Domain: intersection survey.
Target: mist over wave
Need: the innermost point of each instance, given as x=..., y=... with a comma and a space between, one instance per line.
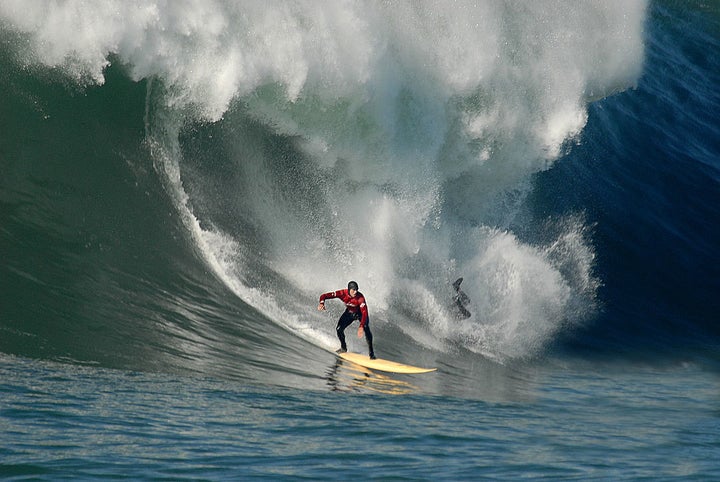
x=308, y=143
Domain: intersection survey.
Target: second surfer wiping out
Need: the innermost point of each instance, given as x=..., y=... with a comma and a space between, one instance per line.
x=460, y=301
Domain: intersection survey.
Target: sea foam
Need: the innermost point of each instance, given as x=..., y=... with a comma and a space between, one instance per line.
x=423, y=123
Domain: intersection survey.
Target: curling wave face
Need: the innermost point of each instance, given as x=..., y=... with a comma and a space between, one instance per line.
x=306, y=143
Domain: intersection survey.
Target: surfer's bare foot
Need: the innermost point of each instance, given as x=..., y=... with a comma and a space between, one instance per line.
x=372, y=356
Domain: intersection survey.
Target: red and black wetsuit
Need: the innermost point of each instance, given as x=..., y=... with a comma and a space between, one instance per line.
x=355, y=309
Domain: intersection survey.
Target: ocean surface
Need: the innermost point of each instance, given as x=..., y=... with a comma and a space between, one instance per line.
x=179, y=181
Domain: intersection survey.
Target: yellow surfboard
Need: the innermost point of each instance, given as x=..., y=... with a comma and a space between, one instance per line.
x=382, y=365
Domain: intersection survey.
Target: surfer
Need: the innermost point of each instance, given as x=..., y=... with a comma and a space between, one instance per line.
x=460, y=299
x=355, y=309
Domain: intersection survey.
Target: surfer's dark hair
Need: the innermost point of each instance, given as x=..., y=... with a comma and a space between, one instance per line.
x=353, y=286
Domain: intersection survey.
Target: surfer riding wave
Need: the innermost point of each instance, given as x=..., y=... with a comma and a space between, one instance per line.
x=355, y=309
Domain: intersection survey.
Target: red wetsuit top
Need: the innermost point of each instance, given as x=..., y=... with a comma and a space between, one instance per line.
x=354, y=305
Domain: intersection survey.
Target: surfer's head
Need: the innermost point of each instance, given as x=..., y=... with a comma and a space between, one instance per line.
x=352, y=286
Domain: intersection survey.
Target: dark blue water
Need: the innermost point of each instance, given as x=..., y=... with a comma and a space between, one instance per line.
x=646, y=172
x=178, y=184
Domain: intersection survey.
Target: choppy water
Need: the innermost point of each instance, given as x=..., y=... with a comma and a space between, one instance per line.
x=72, y=422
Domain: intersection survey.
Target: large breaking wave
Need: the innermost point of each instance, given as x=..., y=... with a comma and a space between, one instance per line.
x=308, y=143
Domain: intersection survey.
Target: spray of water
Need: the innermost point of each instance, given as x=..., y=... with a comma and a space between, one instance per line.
x=390, y=142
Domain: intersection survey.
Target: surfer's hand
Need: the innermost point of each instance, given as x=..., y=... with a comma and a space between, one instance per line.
x=321, y=306
x=361, y=332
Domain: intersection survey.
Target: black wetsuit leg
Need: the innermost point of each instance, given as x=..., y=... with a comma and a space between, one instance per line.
x=343, y=323
x=369, y=338
x=345, y=320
